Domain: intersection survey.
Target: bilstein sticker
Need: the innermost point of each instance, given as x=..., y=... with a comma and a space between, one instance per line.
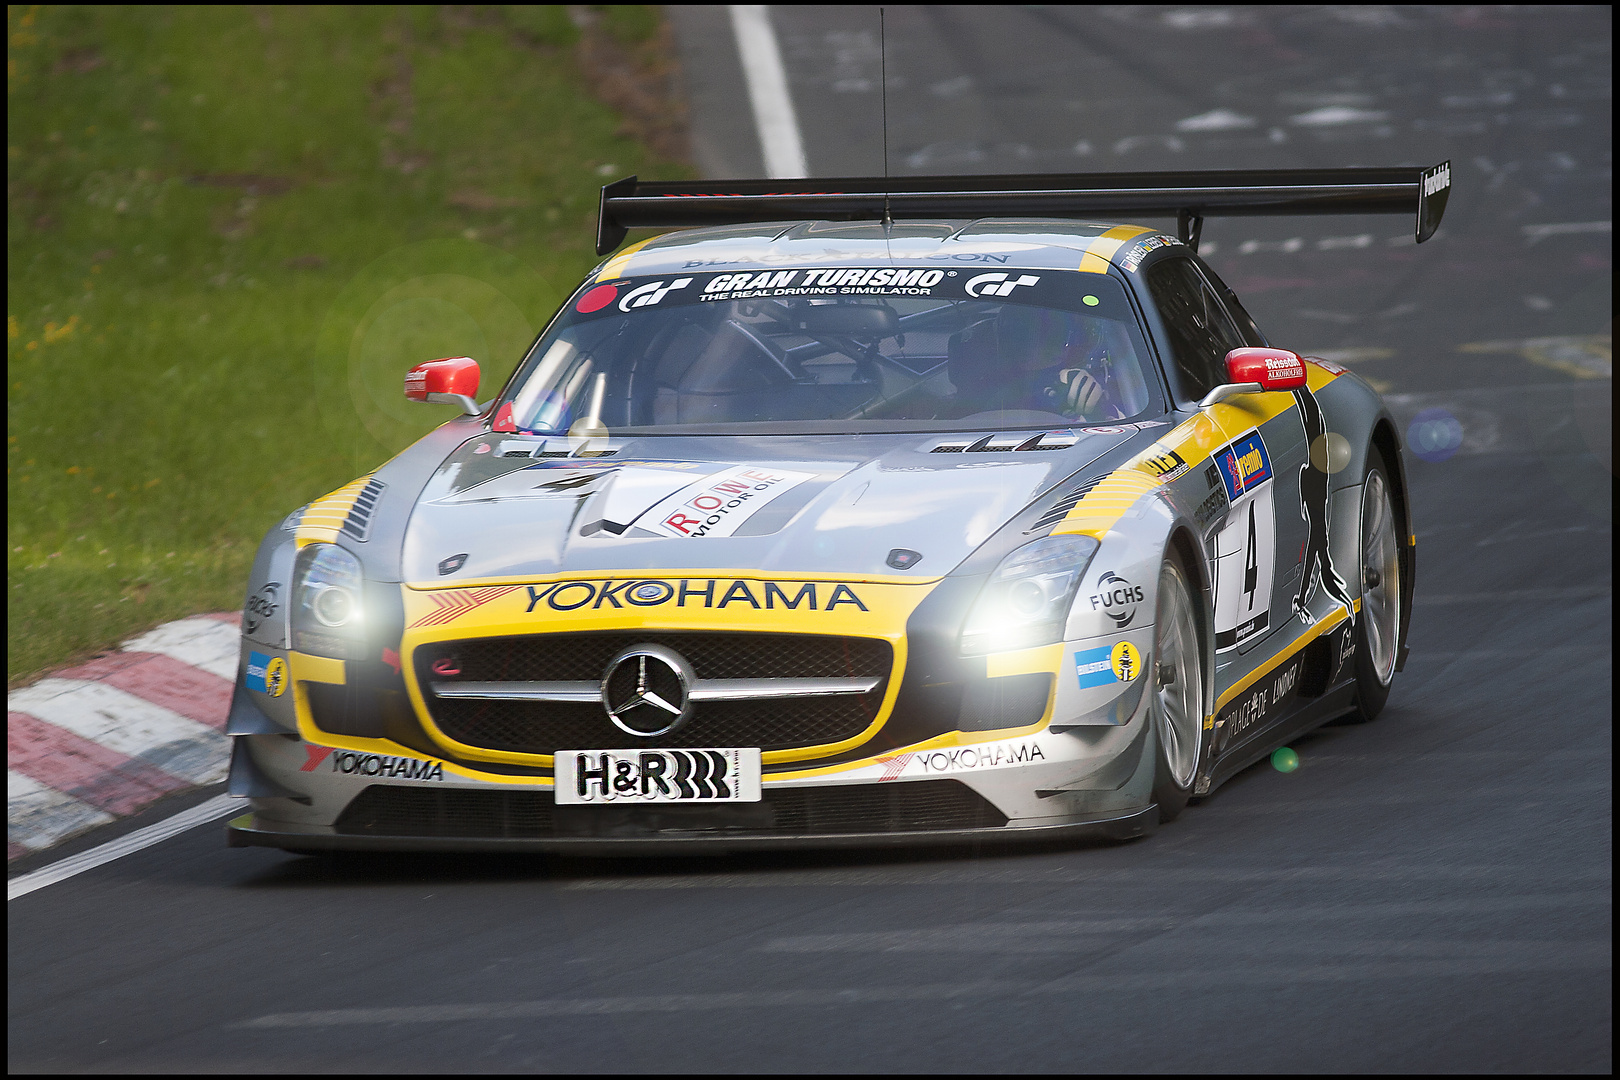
x=1107, y=665
x=266, y=674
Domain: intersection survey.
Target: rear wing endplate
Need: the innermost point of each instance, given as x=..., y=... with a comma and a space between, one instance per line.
x=1188, y=196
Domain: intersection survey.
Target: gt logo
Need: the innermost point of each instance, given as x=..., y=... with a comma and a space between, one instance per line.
x=651, y=293
x=996, y=284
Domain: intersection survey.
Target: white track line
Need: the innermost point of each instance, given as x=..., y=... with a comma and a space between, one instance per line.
x=212, y=810
x=209, y=644
x=128, y=725
x=768, y=93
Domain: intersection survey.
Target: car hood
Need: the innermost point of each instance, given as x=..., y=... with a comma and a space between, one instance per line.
x=780, y=505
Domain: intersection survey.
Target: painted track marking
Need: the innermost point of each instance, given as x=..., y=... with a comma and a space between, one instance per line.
x=212, y=810
x=768, y=92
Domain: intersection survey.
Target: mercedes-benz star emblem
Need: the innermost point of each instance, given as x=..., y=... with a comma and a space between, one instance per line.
x=647, y=690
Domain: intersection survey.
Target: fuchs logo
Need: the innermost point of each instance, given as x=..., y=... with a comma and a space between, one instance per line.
x=1117, y=598
x=1438, y=180
x=573, y=595
x=997, y=284
x=651, y=293
x=260, y=608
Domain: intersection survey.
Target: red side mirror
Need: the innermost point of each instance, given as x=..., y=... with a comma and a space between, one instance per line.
x=455, y=375
x=1273, y=369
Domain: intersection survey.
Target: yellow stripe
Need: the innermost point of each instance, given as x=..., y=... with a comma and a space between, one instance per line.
x=1194, y=439
x=615, y=266
x=326, y=515
x=1102, y=249
x=1332, y=620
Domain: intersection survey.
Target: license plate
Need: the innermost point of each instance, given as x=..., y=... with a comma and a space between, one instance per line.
x=600, y=777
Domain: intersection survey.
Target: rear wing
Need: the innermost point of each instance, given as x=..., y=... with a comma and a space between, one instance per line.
x=1188, y=196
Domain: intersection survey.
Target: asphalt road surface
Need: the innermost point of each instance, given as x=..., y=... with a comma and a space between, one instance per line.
x=1429, y=892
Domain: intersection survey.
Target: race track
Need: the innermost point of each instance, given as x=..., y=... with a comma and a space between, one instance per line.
x=1431, y=892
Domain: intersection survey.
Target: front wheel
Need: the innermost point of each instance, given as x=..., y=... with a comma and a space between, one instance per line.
x=1177, y=692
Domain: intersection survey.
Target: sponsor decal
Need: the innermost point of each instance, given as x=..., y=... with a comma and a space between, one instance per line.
x=1126, y=661
x=1246, y=545
x=979, y=757
x=391, y=658
x=1438, y=180
x=349, y=763
x=661, y=776
x=1244, y=465
x=1284, y=367
x=718, y=505
x=841, y=280
x=649, y=294
x=1167, y=465
x=598, y=298
x=1313, y=507
x=894, y=766
x=1259, y=706
x=452, y=604
x=481, y=448
x=1212, y=506
x=997, y=284
x=266, y=674
x=1134, y=257
x=261, y=607
x=708, y=593
x=1107, y=665
x=1116, y=598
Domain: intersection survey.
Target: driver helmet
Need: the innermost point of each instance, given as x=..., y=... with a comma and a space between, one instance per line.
x=1061, y=358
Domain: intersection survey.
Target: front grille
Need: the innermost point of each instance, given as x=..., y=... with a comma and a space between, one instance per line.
x=534, y=727
x=918, y=806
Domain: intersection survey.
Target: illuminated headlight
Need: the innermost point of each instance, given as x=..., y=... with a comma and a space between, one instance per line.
x=1026, y=601
x=328, y=618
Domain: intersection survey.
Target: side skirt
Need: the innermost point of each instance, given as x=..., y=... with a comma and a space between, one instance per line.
x=1314, y=713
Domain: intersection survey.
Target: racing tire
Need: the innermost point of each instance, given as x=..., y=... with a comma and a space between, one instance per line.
x=1176, y=698
x=1379, y=565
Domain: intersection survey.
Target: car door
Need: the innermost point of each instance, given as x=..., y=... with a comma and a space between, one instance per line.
x=1256, y=547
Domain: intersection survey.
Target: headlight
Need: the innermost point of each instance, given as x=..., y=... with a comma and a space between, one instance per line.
x=328, y=618
x=1026, y=601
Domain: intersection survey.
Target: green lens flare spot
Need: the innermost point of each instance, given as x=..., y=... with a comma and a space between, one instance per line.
x=1284, y=759
x=1092, y=301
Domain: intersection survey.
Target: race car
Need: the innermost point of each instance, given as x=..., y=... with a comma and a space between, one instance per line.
x=851, y=512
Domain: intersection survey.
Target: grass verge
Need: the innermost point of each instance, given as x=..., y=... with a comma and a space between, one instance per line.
x=230, y=231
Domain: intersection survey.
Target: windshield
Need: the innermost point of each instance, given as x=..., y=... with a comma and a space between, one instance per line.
x=840, y=349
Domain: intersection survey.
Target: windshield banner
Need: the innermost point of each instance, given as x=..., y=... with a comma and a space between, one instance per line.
x=1094, y=294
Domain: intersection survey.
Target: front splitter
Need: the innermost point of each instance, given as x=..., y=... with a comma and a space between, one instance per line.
x=247, y=831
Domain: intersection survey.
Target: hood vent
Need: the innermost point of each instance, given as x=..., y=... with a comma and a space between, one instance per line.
x=1060, y=509
x=357, y=526
x=1000, y=443
x=558, y=448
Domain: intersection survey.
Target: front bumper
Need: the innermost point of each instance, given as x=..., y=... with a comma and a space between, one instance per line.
x=249, y=831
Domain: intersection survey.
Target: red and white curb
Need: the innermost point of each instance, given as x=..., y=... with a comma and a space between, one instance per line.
x=97, y=742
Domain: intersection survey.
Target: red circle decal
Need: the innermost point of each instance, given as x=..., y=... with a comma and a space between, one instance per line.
x=597, y=299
